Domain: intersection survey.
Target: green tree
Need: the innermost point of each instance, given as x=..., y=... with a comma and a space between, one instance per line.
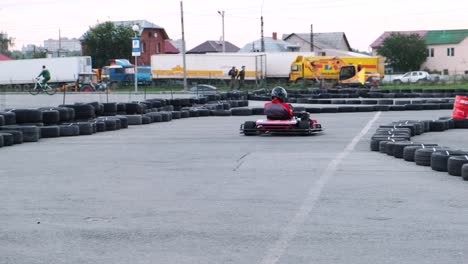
x=404, y=52
x=107, y=41
x=5, y=43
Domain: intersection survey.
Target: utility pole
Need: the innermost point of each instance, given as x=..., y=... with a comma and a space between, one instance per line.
x=262, y=48
x=60, y=44
x=222, y=17
x=311, y=37
x=183, y=44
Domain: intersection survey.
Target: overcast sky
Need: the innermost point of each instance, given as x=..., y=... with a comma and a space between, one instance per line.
x=33, y=21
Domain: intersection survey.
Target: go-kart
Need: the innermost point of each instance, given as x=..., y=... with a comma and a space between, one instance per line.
x=293, y=126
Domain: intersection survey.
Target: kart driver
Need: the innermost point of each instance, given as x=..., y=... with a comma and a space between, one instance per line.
x=278, y=109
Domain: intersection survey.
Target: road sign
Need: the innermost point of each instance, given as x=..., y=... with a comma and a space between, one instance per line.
x=136, y=49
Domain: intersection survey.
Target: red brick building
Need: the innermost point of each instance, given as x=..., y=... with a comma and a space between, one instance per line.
x=153, y=38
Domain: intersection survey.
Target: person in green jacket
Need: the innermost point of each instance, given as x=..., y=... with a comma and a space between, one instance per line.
x=45, y=75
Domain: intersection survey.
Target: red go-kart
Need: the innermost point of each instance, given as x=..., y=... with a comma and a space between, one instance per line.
x=293, y=126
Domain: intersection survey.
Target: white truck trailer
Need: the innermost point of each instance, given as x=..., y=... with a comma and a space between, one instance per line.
x=215, y=66
x=207, y=66
x=20, y=74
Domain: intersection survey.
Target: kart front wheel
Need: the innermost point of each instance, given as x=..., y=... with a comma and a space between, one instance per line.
x=250, y=128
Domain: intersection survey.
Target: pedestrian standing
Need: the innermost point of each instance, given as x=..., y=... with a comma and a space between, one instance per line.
x=233, y=73
x=241, y=77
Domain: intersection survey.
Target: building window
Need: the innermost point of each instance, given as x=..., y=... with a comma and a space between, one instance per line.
x=446, y=72
x=430, y=52
x=158, y=48
x=450, y=52
x=142, y=47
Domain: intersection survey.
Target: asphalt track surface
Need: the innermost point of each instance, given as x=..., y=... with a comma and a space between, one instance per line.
x=196, y=191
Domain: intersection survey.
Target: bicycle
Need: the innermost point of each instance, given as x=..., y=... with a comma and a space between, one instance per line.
x=38, y=88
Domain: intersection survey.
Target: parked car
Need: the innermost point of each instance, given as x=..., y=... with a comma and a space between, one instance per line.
x=203, y=89
x=416, y=77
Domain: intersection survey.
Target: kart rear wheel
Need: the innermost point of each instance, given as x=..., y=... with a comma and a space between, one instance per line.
x=250, y=128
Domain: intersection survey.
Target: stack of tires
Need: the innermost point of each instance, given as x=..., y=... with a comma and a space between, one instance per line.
x=394, y=139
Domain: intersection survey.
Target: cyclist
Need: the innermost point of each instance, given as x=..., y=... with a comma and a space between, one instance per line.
x=45, y=75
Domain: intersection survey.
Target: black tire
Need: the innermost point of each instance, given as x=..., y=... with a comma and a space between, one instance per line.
x=7, y=139
x=438, y=125
x=156, y=117
x=220, y=112
x=134, y=108
x=422, y=157
x=382, y=108
x=413, y=107
x=203, y=112
x=455, y=163
x=100, y=126
x=398, y=148
x=194, y=113
x=2, y=120
x=250, y=125
x=123, y=121
x=145, y=120
x=110, y=108
x=17, y=135
x=409, y=151
x=50, y=131
x=27, y=115
x=134, y=120
x=176, y=115
x=439, y=159
x=166, y=116
x=69, y=130
x=50, y=116
x=258, y=111
x=365, y=108
x=2, y=143
x=391, y=146
x=84, y=111
x=464, y=172
x=121, y=107
x=461, y=123
x=67, y=114
x=324, y=110
x=30, y=133
x=111, y=124
x=346, y=109
x=185, y=114
x=375, y=141
x=86, y=128
x=241, y=111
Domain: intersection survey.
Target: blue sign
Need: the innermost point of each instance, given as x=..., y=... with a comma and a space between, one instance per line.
x=136, y=49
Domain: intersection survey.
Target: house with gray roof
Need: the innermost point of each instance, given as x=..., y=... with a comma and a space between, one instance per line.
x=447, y=50
x=213, y=46
x=270, y=44
x=320, y=41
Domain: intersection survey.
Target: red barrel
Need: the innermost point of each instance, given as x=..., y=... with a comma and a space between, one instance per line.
x=460, y=107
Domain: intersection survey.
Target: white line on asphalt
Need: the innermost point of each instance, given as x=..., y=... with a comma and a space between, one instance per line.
x=289, y=232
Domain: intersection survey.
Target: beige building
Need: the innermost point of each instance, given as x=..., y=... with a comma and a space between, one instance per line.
x=447, y=50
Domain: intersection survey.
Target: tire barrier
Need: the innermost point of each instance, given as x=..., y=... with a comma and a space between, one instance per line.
x=394, y=138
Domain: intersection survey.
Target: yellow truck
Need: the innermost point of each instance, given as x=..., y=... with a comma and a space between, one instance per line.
x=341, y=71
